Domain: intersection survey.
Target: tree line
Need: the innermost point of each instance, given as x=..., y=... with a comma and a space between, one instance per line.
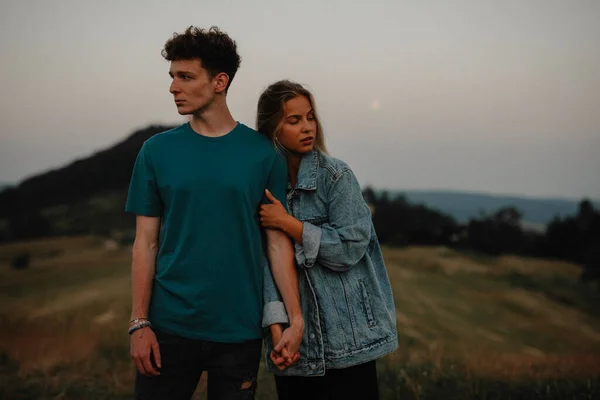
x=573, y=238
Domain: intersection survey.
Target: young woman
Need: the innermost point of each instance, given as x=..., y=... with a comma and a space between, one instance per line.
x=346, y=297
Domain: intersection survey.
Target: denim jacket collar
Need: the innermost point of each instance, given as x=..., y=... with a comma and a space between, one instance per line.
x=307, y=172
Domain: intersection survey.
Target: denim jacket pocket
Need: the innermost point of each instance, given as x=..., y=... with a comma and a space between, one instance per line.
x=371, y=322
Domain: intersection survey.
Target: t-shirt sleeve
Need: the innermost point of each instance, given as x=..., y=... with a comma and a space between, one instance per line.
x=143, y=197
x=278, y=178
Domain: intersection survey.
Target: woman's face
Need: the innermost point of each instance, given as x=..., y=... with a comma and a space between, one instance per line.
x=299, y=128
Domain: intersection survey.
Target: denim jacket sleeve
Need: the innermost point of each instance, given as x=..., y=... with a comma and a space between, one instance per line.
x=341, y=242
x=273, y=310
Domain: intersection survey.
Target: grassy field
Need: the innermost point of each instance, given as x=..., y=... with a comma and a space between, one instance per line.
x=470, y=327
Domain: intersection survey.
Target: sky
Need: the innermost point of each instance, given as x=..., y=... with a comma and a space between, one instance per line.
x=487, y=96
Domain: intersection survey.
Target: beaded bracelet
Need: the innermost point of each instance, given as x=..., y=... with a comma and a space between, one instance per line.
x=139, y=325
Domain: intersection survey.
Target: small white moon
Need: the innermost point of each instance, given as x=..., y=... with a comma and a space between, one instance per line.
x=375, y=104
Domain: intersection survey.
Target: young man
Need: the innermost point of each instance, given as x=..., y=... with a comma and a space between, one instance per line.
x=198, y=264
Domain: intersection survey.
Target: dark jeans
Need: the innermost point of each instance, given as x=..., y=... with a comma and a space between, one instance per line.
x=358, y=382
x=232, y=369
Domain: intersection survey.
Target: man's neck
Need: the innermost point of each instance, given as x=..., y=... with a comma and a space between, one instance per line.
x=215, y=121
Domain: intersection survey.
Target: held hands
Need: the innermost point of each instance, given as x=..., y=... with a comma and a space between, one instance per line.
x=286, y=344
x=291, y=338
x=272, y=215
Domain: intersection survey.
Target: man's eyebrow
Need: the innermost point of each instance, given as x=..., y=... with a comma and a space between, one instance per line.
x=181, y=73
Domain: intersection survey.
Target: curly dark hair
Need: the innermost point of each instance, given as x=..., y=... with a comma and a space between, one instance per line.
x=213, y=47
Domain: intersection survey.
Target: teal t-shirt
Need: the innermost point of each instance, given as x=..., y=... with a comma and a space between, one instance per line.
x=207, y=191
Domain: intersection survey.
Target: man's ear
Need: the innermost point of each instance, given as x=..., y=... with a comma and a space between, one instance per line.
x=221, y=80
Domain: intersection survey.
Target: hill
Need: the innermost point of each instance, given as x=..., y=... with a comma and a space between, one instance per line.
x=85, y=196
x=106, y=171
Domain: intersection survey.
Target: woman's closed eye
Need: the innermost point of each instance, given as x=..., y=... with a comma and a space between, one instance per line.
x=294, y=120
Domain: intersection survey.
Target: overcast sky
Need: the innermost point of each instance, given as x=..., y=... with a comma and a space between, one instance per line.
x=491, y=96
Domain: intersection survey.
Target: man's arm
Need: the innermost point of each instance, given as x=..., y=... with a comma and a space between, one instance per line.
x=143, y=267
x=280, y=253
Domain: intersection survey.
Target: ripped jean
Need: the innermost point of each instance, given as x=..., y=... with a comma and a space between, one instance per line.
x=232, y=369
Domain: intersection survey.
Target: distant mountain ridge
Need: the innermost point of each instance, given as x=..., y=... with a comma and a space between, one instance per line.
x=465, y=205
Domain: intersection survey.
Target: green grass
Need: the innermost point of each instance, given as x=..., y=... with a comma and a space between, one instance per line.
x=499, y=328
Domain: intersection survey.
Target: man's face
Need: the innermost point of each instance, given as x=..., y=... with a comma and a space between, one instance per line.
x=192, y=87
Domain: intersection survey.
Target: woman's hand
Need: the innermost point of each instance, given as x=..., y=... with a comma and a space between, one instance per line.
x=274, y=215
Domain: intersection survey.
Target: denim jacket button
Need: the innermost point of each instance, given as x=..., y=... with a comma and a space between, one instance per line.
x=313, y=366
x=312, y=335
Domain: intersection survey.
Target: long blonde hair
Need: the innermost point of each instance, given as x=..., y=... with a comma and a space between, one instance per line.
x=269, y=112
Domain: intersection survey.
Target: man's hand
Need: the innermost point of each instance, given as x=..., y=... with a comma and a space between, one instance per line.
x=144, y=349
x=282, y=358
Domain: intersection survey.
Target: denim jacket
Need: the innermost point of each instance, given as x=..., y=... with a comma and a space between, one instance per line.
x=346, y=298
